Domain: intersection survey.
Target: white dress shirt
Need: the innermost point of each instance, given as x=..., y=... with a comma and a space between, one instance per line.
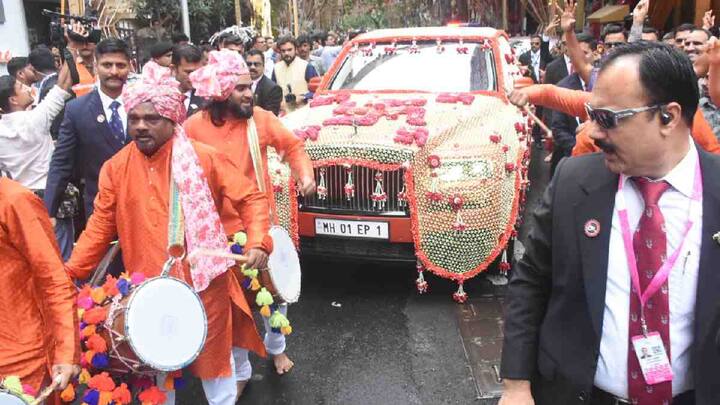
x=269, y=63
x=26, y=145
x=106, y=101
x=188, y=96
x=611, y=374
x=535, y=62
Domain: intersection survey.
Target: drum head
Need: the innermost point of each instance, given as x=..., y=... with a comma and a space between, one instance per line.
x=284, y=266
x=7, y=398
x=165, y=323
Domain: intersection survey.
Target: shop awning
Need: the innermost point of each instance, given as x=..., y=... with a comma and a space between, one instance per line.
x=609, y=14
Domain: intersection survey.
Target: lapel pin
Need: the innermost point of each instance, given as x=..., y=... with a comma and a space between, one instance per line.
x=592, y=228
x=101, y=118
x=716, y=237
x=193, y=106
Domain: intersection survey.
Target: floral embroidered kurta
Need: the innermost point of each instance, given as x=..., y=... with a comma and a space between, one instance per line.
x=38, y=323
x=133, y=202
x=231, y=139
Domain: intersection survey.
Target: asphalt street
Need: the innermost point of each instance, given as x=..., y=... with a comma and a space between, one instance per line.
x=362, y=335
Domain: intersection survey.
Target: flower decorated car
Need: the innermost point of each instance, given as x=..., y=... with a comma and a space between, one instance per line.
x=417, y=153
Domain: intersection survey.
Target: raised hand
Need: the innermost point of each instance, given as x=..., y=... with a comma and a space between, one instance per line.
x=708, y=20
x=641, y=11
x=567, y=15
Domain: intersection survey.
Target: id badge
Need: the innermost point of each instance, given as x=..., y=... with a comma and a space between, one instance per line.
x=653, y=359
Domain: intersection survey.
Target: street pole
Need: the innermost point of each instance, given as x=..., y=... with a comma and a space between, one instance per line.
x=505, y=15
x=238, y=13
x=185, y=17
x=295, y=18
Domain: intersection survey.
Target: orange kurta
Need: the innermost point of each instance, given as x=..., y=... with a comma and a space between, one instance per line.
x=87, y=80
x=231, y=139
x=37, y=297
x=132, y=203
x=572, y=102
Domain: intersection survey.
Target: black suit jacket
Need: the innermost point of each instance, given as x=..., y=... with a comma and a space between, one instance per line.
x=563, y=126
x=196, y=104
x=268, y=95
x=545, y=58
x=556, y=71
x=83, y=145
x=556, y=296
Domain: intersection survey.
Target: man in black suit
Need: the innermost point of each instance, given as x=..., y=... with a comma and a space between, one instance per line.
x=537, y=57
x=564, y=126
x=268, y=95
x=570, y=308
x=93, y=128
x=185, y=60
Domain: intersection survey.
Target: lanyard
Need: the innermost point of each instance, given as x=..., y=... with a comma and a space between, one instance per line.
x=664, y=272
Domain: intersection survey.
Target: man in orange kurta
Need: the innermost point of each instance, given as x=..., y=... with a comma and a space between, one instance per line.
x=223, y=124
x=133, y=203
x=36, y=295
x=572, y=102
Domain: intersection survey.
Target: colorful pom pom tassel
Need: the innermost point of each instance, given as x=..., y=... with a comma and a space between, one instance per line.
x=254, y=284
x=240, y=238
x=265, y=311
x=68, y=394
x=460, y=296
x=121, y=395
x=278, y=321
x=264, y=297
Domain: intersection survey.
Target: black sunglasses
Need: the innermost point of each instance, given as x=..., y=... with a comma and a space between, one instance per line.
x=609, y=119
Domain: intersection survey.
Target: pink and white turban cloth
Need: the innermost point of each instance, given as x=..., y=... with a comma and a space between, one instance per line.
x=218, y=78
x=159, y=87
x=203, y=229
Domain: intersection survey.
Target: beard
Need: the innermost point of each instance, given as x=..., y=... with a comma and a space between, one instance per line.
x=239, y=111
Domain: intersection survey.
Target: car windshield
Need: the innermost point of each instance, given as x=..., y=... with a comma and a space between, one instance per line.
x=426, y=66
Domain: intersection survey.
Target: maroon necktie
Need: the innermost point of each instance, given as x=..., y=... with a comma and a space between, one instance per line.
x=650, y=245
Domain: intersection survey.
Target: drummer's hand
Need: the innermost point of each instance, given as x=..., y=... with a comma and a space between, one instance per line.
x=257, y=259
x=306, y=186
x=65, y=372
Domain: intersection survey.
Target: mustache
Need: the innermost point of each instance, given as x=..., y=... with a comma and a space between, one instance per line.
x=605, y=146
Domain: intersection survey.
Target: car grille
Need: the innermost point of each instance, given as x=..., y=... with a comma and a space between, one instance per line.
x=336, y=202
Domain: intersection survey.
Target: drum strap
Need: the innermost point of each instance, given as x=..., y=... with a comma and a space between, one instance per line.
x=176, y=224
x=255, y=153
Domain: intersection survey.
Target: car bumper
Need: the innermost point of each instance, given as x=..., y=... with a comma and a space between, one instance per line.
x=398, y=247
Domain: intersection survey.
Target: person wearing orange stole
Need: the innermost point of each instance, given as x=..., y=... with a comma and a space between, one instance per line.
x=224, y=124
x=39, y=339
x=133, y=203
x=572, y=102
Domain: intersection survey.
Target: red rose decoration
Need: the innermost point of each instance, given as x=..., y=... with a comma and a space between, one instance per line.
x=495, y=138
x=456, y=201
x=510, y=167
x=509, y=58
x=433, y=161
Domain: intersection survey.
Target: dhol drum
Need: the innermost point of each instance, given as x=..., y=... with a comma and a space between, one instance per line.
x=160, y=326
x=8, y=398
x=283, y=277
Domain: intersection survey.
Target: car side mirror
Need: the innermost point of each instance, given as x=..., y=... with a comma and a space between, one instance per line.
x=314, y=83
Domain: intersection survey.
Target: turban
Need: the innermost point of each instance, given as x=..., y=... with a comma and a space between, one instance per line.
x=219, y=77
x=158, y=87
x=203, y=229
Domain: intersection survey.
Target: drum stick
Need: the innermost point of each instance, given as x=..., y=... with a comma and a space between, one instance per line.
x=538, y=121
x=218, y=253
x=47, y=391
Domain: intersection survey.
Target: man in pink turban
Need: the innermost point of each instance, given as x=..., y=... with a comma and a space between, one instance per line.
x=228, y=123
x=134, y=201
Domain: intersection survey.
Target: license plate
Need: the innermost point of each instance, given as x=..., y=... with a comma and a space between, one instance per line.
x=352, y=229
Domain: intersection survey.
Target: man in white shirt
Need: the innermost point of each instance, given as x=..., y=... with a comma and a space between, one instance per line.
x=621, y=255
x=25, y=133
